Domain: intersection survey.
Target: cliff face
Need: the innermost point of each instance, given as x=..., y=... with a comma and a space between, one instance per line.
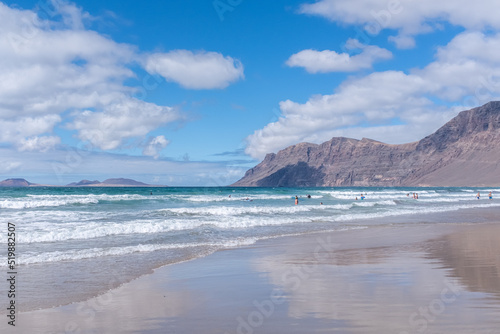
x=464, y=152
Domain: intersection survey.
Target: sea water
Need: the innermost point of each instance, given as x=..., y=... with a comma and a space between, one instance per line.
x=74, y=243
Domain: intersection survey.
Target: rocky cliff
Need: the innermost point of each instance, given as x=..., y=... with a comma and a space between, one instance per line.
x=464, y=152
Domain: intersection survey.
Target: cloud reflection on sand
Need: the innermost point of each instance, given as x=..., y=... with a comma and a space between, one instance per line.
x=440, y=286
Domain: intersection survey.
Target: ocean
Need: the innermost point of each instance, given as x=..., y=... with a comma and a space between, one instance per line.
x=75, y=243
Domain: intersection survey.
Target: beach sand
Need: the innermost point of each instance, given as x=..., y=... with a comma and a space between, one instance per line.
x=419, y=278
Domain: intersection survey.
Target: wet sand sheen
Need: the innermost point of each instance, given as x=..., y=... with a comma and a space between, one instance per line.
x=423, y=278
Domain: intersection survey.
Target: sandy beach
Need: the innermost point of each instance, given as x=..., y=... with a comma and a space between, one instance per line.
x=416, y=278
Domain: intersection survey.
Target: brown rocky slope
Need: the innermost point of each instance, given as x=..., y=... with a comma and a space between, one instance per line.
x=464, y=152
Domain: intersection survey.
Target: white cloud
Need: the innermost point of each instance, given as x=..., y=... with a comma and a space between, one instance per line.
x=408, y=17
x=201, y=70
x=121, y=120
x=24, y=132
x=154, y=146
x=39, y=144
x=330, y=61
x=51, y=66
x=403, y=41
x=462, y=71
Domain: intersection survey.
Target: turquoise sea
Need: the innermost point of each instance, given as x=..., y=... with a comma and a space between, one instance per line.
x=74, y=243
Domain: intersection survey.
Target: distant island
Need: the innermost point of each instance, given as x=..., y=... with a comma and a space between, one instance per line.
x=463, y=152
x=109, y=183
x=16, y=183
x=114, y=182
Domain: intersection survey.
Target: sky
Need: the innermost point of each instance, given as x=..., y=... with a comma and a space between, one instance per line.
x=196, y=92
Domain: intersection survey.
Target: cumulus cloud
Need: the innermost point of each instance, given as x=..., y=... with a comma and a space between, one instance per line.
x=330, y=61
x=24, y=132
x=461, y=72
x=410, y=18
x=403, y=41
x=121, y=120
x=51, y=64
x=200, y=70
x=40, y=144
x=154, y=146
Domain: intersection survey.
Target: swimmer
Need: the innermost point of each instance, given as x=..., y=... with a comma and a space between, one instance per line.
x=478, y=195
x=296, y=200
x=490, y=195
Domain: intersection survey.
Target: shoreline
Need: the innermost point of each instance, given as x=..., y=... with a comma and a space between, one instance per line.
x=293, y=275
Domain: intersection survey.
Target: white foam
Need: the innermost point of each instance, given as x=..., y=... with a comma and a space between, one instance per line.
x=74, y=255
x=413, y=211
x=76, y=231
x=241, y=210
x=234, y=197
x=33, y=203
x=368, y=203
x=36, y=201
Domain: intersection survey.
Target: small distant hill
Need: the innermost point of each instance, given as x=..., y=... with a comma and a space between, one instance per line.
x=115, y=182
x=82, y=183
x=16, y=183
x=118, y=182
x=124, y=182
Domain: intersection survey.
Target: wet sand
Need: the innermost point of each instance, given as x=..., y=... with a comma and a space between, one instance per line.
x=420, y=278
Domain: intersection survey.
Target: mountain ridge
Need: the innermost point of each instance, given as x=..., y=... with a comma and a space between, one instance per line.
x=463, y=152
x=112, y=182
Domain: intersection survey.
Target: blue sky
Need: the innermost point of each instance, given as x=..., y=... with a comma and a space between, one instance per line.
x=195, y=92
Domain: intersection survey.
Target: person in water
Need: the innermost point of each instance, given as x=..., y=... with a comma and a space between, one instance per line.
x=478, y=195
x=490, y=195
x=296, y=200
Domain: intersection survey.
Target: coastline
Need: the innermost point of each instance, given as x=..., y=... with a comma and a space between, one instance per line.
x=379, y=279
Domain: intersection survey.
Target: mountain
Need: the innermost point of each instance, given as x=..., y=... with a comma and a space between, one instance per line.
x=120, y=182
x=82, y=183
x=124, y=182
x=463, y=152
x=15, y=183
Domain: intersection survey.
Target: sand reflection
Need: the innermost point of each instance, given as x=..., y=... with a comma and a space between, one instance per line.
x=473, y=256
x=437, y=286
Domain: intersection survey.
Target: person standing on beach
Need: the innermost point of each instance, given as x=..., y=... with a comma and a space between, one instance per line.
x=296, y=200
